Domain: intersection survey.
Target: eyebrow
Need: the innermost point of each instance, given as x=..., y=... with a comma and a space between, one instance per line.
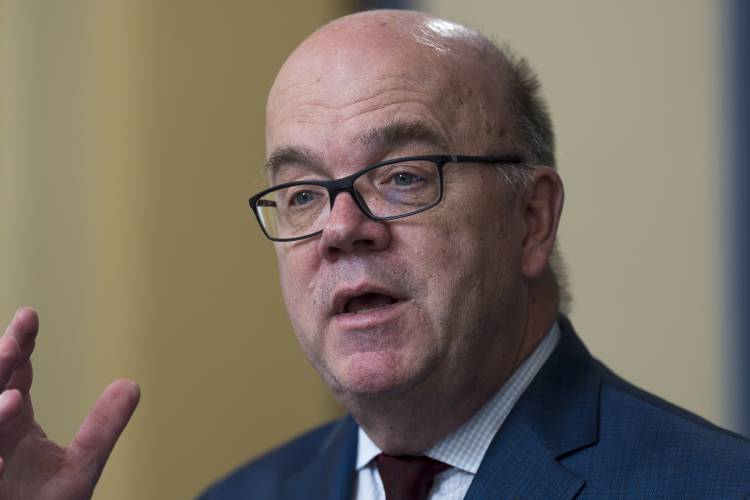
x=402, y=133
x=380, y=140
x=286, y=155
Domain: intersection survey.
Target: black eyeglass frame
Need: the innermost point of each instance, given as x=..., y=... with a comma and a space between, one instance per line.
x=346, y=185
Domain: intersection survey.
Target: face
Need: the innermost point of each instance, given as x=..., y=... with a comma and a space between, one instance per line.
x=426, y=302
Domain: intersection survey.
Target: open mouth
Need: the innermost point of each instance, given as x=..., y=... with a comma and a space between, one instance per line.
x=367, y=302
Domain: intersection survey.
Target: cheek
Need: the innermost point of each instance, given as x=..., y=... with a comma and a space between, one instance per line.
x=302, y=305
x=449, y=271
x=296, y=273
x=470, y=270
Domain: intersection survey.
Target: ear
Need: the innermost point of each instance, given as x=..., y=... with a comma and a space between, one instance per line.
x=543, y=202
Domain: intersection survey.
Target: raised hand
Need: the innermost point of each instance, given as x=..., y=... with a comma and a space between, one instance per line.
x=31, y=466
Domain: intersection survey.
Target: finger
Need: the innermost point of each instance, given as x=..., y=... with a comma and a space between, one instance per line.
x=10, y=405
x=98, y=434
x=10, y=354
x=23, y=328
x=22, y=377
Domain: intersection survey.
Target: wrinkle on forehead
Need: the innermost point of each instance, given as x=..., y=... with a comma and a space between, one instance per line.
x=306, y=108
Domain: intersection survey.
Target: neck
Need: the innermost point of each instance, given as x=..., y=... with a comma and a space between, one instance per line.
x=409, y=423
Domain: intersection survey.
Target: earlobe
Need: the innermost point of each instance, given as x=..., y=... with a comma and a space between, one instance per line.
x=543, y=204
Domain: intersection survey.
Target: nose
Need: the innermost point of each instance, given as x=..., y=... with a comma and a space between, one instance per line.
x=349, y=230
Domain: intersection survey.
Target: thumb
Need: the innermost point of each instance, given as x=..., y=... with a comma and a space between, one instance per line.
x=100, y=429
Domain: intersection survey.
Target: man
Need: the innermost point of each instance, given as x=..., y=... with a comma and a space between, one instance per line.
x=414, y=206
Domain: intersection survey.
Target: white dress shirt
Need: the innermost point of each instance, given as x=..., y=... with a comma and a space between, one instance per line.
x=463, y=449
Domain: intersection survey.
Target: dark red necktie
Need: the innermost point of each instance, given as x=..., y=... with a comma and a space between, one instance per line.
x=407, y=478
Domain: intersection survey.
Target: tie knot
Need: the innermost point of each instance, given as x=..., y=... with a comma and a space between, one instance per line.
x=407, y=478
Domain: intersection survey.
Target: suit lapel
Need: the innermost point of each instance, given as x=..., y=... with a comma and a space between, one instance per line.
x=557, y=415
x=330, y=476
x=517, y=465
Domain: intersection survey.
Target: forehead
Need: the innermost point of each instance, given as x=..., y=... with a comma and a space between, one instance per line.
x=337, y=88
x=337, y=91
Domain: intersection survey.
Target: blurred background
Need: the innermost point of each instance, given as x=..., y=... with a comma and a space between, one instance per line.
x=132, y=135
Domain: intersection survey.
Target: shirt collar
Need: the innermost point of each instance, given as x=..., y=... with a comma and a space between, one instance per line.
x=465, y=447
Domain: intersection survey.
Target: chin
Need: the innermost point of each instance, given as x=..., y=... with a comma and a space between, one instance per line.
x=376, y=374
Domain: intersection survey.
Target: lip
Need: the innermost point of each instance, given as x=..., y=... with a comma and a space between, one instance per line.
x=374, y=319
x=344, y=293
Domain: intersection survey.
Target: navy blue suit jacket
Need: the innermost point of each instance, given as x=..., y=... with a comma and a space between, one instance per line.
x=578, y=431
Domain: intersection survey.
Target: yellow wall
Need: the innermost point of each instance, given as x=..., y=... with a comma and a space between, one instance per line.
x=132, y=135
x=634, y=87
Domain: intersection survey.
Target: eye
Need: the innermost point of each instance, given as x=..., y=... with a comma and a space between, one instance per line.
x=406, y=178
x=301, y=198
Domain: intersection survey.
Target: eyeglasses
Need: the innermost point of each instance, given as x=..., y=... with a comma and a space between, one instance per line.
x=388, y=190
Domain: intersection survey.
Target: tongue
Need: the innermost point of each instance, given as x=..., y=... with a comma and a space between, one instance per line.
x=367, y=302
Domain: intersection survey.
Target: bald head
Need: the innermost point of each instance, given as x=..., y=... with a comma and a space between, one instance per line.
x=393, y=28
x=406, y=60
x=484, y=96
